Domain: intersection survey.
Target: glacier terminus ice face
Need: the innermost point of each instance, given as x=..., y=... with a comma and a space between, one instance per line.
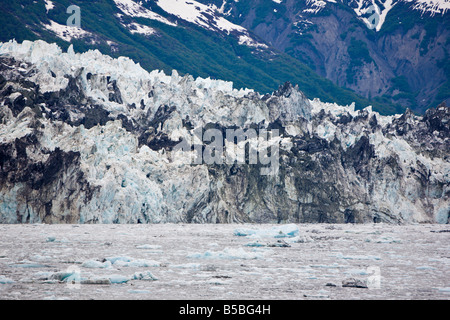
x=85, y=138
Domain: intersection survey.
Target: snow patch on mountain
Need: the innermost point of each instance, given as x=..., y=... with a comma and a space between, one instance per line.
x=134, y=9
x=378, y=10
x=65, y=32
x=315, y=6
x=49, y=5
x=139, y=28
x=246, y=40
x=205, y=16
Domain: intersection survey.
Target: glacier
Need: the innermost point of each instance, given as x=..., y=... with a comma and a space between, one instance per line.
x=85, y=138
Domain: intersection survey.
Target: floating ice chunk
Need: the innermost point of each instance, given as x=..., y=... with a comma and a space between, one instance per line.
x=148, y=246
x=53, y=239
x=287, y=231
x=425, y=268
x=139, y=291
x=332, y=266
x=52, y=297
x=147, y=275
x=320, y=294
x=387, y=240
x=29, y=265
x=283, y=231
x=137, y=263
x=117, y=278
x=228, y=254
x=66, y=276
x=144, y=263
x=300, y=239
x=73, y=278
x=124, y=261
x=245, y=232
x=216, y=282
x=341, y=256
x=443, y=260
x=38, y=257
x=354, y=283
x=96, y=264
x=113, y=260
x=43, y=275
x=5, y=280
x=255, y=244
x=279, y=243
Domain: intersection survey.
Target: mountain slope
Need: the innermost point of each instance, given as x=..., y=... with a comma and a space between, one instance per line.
x=189, y=37
x=85, y=138
x=391, y=51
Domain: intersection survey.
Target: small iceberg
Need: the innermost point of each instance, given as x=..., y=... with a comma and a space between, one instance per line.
x=149, y=246
x=123, y=261
x=96, y=264
x=147, y=275
x=5, y=280
x=228, y=254
x=282, y=231
x=118, y=279
x=139, y=291
x=66, y=276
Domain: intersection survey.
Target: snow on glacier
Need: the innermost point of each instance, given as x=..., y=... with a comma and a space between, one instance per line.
x=112, y=159
x=116, y=147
